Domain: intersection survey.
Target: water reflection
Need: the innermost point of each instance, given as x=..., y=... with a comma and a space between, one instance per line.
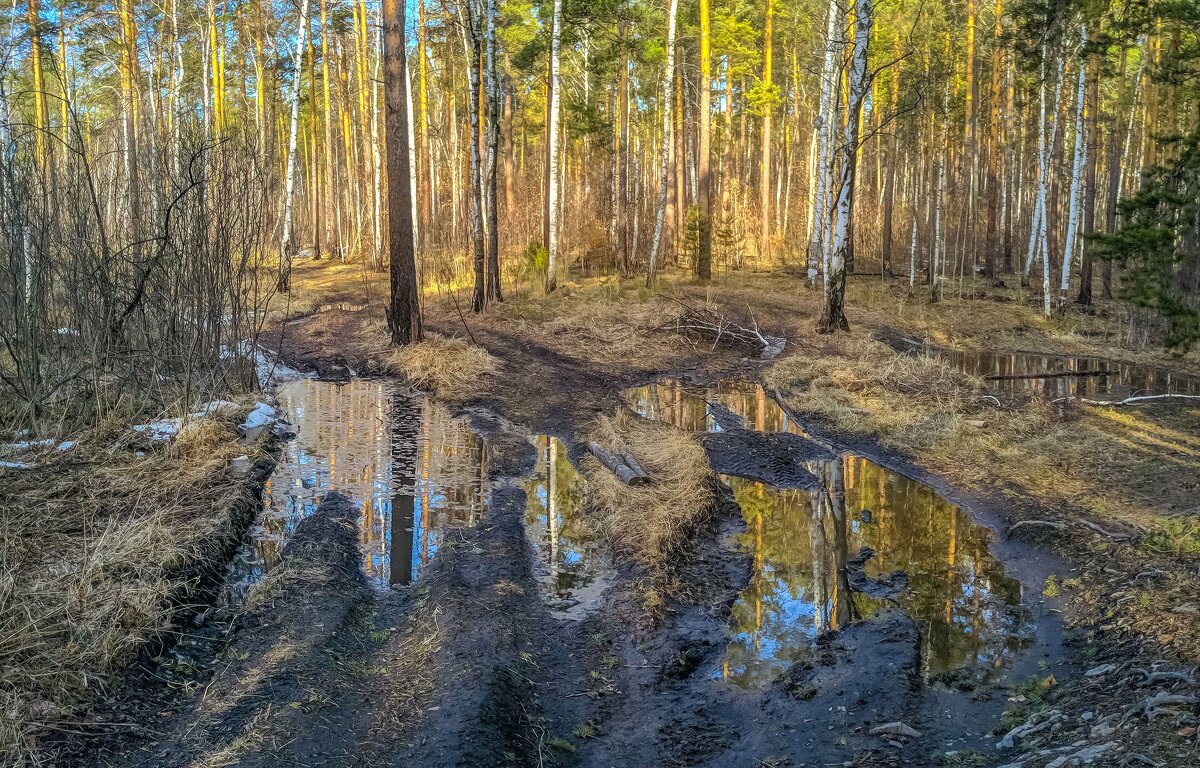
x=1090, y=377
x=412, y=470
x=728, y=404
x=970, y=612
x=567, y=561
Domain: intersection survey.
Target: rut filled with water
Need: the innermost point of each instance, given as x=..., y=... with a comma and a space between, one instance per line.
x=801, y=541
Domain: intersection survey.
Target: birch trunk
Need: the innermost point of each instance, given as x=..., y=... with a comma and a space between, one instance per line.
x=824, y=127
x=1077, y=164
x=665, y=177
x=285, y=242
x=833, y=313
x=553, y=98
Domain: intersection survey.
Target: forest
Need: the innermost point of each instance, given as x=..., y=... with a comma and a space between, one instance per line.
x=600, y=382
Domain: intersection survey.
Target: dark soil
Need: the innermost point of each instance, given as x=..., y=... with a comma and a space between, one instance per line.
x=469, y=667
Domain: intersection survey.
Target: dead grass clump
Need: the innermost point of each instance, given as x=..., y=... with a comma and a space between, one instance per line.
x=449, y=367
x=652, y=524
x=98, y=551
x=206, y=441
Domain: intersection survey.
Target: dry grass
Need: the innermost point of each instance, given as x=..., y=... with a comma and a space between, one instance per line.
x=1095, y=459
x=452, y=368
x=651, y=524
x=97, y=550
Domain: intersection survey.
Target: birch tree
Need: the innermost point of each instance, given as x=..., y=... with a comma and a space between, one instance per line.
x=833, y=312
x=286, y=247
x=552, y=107
x=824, y=126
x=665, y=176
x=1077, y=164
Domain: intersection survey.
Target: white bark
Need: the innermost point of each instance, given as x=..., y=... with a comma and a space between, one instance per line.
x=1077, y=165
x=412, y=164
x=665, y=176
x=826, y=118
x=859, y=90
x=376, y=159
x=552, y=147
x=285, y=242
x=937, y=264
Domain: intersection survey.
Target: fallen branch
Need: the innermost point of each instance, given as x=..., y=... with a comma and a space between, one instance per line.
x=1138, y=400
x=708, y=324
x=625, y=473
x=1048, y=523
x=1157, y=705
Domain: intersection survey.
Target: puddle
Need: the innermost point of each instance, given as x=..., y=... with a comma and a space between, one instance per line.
x=412, y=470
x=567, y=561
x=969, y=611
x=1057, y=376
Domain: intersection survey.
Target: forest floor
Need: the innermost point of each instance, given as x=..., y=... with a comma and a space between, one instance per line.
x=1093, y=509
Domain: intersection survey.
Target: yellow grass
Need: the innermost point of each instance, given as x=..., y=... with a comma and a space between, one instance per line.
x=452, y=368
x=651, y=524
x=96, y=548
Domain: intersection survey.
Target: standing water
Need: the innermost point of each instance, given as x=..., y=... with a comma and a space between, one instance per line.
x=567, y=560
x=800, y=542
x=410, y=468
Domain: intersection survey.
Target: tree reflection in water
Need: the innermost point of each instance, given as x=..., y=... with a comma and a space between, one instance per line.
x=410, y=467
x=567, y=557
x=969, y=611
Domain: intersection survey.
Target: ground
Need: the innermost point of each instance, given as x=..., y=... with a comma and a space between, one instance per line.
x=1094, y=506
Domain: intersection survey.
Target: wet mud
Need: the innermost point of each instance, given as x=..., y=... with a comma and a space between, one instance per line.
x=423, y=587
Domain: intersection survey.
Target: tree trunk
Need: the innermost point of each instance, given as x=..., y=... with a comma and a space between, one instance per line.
x=764, y=171
x=826, y=117
x=833, y=313
x=665, y=176
x=404, y=312
x=703, y=183
x=285, y=242
x=1080, y=159
x=553, y=98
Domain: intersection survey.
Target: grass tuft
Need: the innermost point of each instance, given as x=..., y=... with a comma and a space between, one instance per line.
x=651, y=524
x=99, y=549
x=453, y=368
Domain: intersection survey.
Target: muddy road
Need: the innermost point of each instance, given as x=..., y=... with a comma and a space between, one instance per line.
x=423, y=587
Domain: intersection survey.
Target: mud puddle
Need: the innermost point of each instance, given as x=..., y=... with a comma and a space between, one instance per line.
x=802, y=539
x=568, y=562
x=1056, y=376
x=411, y=469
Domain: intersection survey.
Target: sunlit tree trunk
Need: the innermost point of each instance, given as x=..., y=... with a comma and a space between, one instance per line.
x=833, y=313
x=667, y=82
x=472, y=50
x=493, y=140
x=552, y=107
x=404, y=311
x=824, y=125
x=703, y=183
x=764, y=175
x=285, y=243
x=1080, y=159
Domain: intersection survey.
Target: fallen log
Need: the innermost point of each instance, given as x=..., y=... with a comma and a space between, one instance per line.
x=625, y=473
x=1139, y=399
x=634, y=464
